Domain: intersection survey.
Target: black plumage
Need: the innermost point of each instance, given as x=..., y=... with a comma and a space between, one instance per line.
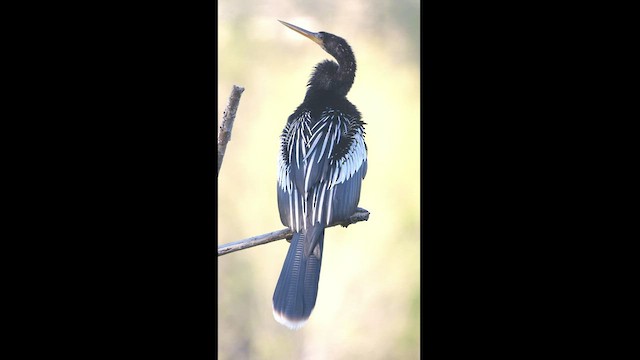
x=322, y=163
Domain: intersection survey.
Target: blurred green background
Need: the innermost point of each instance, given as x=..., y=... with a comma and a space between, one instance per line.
x=368, y=304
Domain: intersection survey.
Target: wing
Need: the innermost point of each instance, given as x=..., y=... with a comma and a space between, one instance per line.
x=321, y=167
x=347, y=169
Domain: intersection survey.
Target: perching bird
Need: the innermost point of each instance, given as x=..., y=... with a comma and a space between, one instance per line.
x=322, y=163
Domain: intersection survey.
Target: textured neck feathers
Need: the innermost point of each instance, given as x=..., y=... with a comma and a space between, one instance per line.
x=331, y=77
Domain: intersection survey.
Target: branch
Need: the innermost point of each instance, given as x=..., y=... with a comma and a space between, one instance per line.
x=229, y=115
x=360, y=215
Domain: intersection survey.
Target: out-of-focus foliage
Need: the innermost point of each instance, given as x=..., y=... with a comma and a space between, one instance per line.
x=368, y=304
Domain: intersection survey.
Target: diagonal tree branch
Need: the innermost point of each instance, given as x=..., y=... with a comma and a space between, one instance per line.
x=360, y=215
x=229, y=115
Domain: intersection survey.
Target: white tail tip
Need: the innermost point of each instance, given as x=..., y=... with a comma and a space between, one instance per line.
x=290, y=323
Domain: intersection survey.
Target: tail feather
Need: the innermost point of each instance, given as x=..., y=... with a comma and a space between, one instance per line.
x=297, y=288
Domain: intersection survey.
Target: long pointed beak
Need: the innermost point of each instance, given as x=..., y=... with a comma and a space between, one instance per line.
x=315, y=37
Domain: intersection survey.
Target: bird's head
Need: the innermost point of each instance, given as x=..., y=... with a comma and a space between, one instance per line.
x=329, y=75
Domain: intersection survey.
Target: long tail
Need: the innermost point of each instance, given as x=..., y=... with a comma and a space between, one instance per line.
x=297, y=288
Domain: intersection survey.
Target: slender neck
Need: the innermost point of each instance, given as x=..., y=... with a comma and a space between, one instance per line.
x=346, y=72
x=332, y=79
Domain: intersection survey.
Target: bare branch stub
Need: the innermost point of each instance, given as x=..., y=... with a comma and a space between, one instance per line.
x=360, y=215
x=228, y=117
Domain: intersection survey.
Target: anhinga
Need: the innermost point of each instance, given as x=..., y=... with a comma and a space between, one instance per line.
x=322, y=163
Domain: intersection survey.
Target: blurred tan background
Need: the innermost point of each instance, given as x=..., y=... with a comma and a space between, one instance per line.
x=368, y=304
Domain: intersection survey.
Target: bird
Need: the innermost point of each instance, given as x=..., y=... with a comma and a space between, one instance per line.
x=321, y=166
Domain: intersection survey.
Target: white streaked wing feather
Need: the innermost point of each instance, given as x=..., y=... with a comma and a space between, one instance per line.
x=303, y=138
